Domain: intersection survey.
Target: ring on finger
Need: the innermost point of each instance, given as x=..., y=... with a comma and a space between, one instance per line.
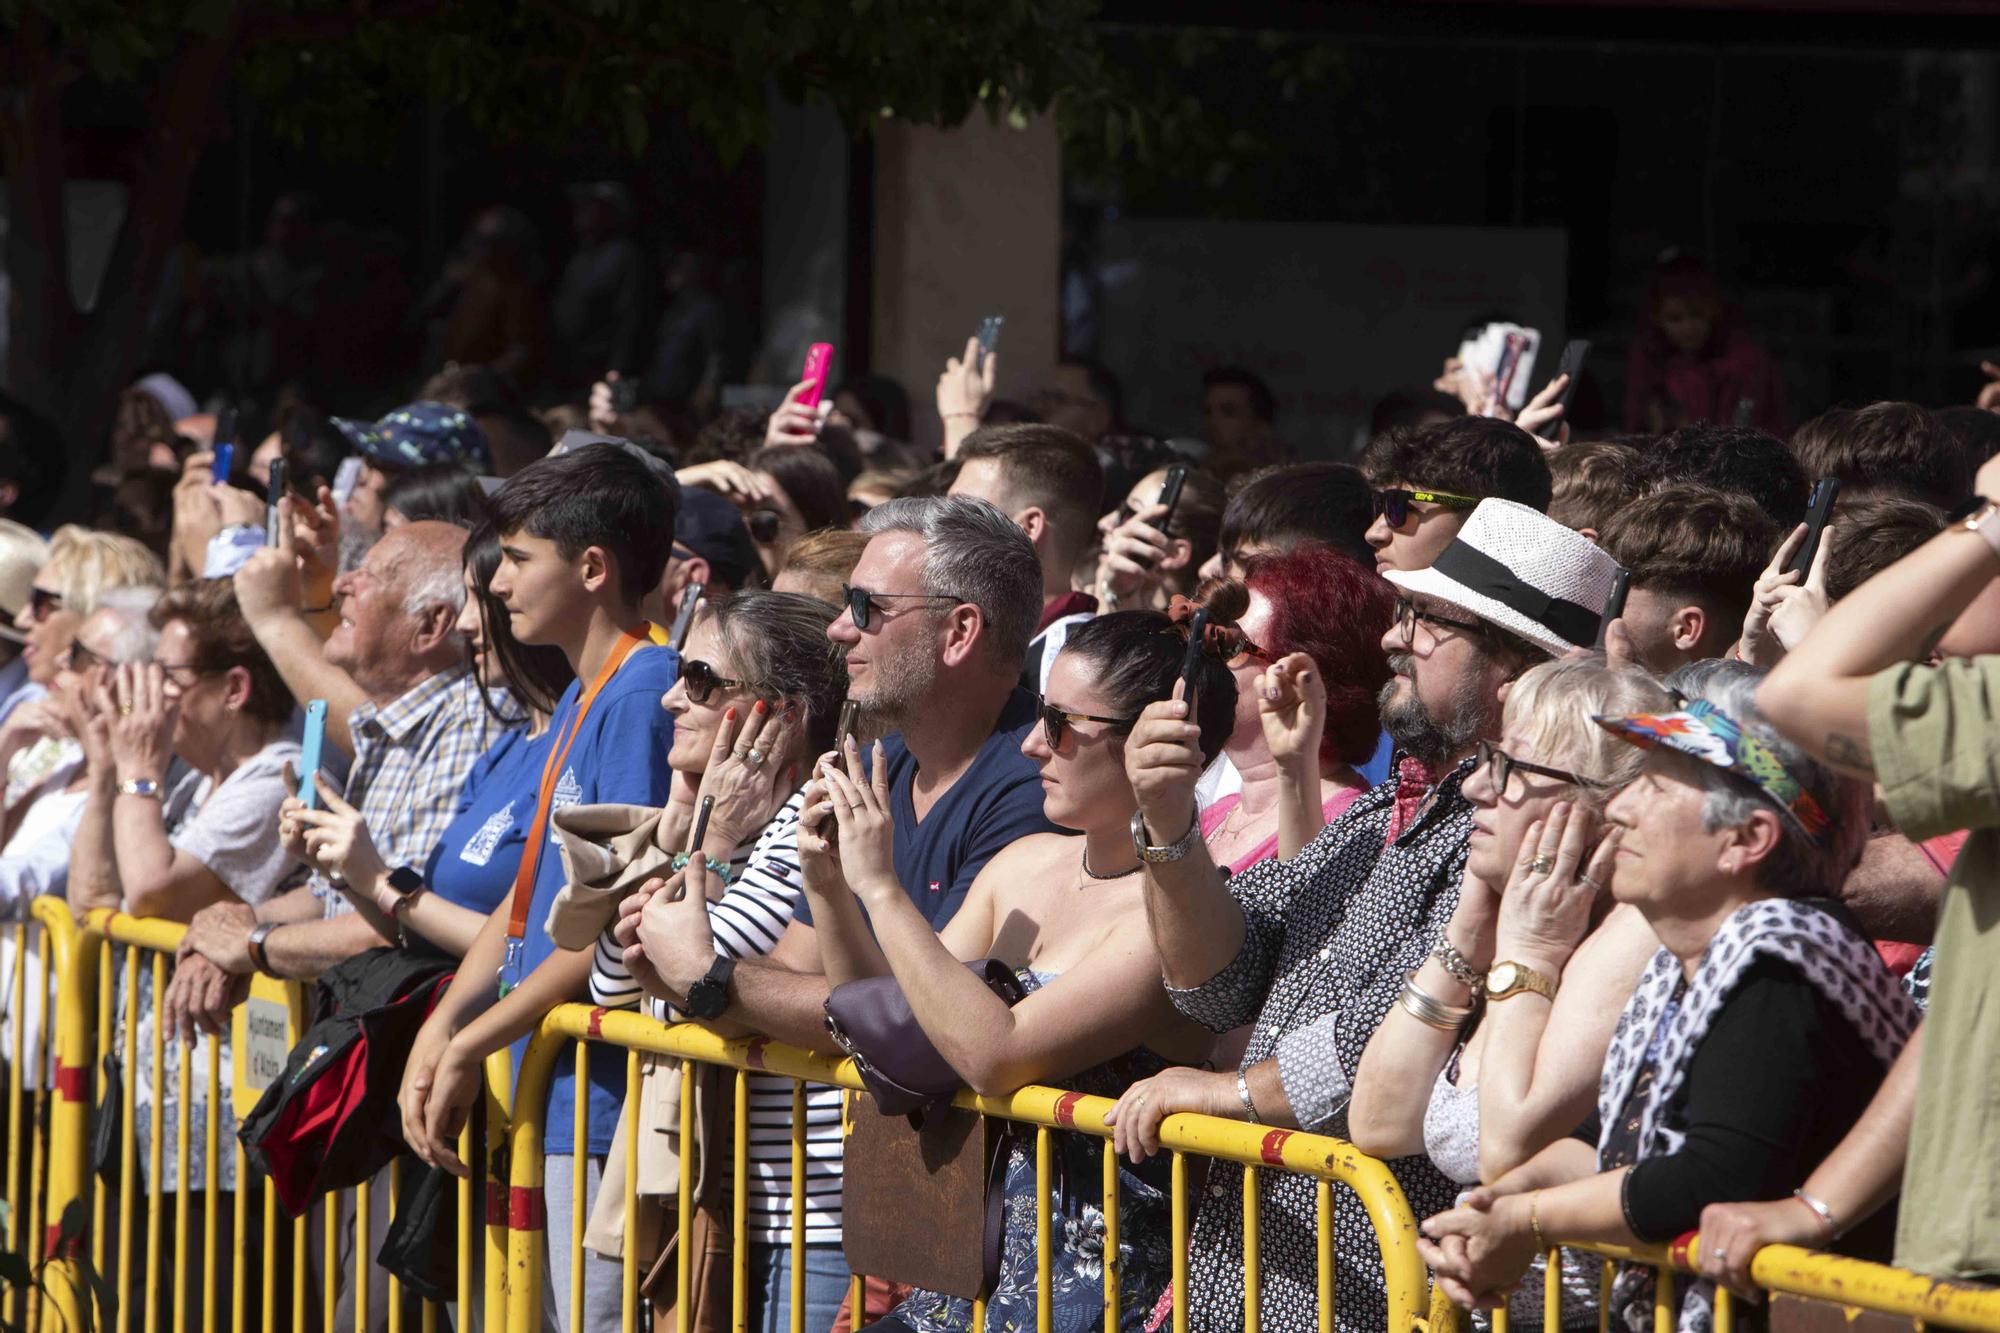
x=753, y=756
x=1722, y=1256
x=1542, y=865
x=1590, y=883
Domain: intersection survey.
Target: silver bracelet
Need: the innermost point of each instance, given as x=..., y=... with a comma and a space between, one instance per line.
x=1454, y=962
x=1243, y=1091
x=1426, y=1008
x=1825, y=1213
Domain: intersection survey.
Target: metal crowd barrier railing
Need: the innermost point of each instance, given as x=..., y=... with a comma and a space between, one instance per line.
x=80, y=1235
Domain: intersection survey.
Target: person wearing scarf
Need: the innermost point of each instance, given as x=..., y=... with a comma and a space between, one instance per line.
x=1756, y=1036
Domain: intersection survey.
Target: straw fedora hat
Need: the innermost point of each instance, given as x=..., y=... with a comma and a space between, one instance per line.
x=1521, y=570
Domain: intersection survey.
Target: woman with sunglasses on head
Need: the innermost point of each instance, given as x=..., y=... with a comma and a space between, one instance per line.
x=442, y=904
x=1482, y=1090
x=1756, y=1035
x=1306, y=629
x=760, y=689
x=1067, y=914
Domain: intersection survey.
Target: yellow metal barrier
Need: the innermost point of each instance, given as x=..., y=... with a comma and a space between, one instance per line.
x=1048, y=1109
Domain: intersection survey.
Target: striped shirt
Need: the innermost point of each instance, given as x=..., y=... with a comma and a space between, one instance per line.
x=411, y=759
x=764, y=889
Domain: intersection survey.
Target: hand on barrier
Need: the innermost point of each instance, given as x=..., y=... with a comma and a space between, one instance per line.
x=420, y=1077
x=626, y=931
x=1291, y=703
x=859, y=795
x=199, y=998
x=1163, y=762
x=1479, y=1250
x=221, y=933
x=1732, y=1233
x=1136, y=1119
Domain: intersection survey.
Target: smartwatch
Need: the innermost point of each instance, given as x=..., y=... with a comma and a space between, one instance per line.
x=707, y=998
x=406, y=884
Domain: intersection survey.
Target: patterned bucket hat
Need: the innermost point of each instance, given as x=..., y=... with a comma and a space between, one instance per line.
x=1703, y=731
x=419, y=435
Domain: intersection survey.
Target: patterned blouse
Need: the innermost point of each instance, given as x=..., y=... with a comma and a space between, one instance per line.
x=1329, y=937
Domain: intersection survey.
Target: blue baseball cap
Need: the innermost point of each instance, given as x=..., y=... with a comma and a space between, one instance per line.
x=713, y=529
x=420, y=435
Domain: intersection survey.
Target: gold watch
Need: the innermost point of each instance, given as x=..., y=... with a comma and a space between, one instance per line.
x=1507, y=979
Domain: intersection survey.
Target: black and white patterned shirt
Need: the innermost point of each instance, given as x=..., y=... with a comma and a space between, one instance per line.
x=1329, y=937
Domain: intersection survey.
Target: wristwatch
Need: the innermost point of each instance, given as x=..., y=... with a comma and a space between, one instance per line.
x=1508, y=979
x=255, y=946
x=1982, y=516
x=406, y=884
x=139, y=787
x=1142, y=840
x=708, y=997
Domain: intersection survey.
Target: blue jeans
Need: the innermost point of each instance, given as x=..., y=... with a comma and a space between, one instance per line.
x=771, y=1287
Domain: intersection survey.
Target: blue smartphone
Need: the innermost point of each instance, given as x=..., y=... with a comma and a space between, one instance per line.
x=309, y=749
x=225, y=456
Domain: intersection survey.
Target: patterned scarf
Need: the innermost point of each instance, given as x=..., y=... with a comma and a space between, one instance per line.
x=1839, y=964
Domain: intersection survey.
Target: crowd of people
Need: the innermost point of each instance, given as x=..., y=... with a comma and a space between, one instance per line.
x=1510, y=803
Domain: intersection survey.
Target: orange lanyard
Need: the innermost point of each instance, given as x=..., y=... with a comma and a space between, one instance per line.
x=531, y=854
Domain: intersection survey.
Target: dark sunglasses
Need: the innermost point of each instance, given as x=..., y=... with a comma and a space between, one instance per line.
x=861, y=602
x=42, y=604
x=1501, y=766
x=1394, y=503
x=1407, y=616
x=701, y=681
x=78, y=657
x=1056, y=722
x=764, y=525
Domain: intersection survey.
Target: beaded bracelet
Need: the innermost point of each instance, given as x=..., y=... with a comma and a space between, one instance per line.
x=720, y=869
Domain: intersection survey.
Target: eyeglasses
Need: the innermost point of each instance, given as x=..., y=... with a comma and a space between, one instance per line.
x=861, y=602
x=701, y=681
x=1501, y=766
x=42, y=604
x=1394, y=503
x=1056, y=722
x=1408, y=614
x=79, y=657
x=764, y=525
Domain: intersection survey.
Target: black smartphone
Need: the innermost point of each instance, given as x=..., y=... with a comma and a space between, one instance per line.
x=1746, y=412
x=700, y=829
x=1818, y=510
x=280, y=479
x=1614, y=605
x=1191, y=663
x=1170, y=494
x=684, y=618
x=1571, y=364
x=989, y=338
x=850, y=714
x=624, y=395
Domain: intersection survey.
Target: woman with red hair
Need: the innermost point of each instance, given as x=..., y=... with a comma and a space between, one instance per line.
x=1309, y=624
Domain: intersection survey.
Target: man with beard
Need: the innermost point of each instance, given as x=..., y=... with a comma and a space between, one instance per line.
x=1313, y=951
x=939, y=613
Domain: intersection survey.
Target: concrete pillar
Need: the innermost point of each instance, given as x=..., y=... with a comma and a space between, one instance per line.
x=968, y=223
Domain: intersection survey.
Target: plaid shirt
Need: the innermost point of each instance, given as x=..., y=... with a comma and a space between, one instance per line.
x=410, y=764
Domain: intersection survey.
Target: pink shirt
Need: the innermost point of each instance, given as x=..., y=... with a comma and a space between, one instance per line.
x=1211, y=820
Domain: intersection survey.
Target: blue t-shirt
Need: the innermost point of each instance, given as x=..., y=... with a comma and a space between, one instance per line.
x=1376, y=771
x=619, y=757
x=477, y=856
x=997, y=800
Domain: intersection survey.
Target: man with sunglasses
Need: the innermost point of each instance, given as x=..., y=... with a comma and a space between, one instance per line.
x=1429, y=479
x=1314, y=950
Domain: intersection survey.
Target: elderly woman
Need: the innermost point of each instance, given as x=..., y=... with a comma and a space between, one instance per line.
x=1756, y=1035
x=1310, y=624
x=1482, y=1090
x=759, y=692
x=1067, y=914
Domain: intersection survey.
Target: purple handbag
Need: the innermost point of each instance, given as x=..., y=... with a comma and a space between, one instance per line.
x=871, y=1020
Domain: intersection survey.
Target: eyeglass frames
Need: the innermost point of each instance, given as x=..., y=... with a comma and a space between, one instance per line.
x=80, y=657
x=1394, y=503
x=1408, y=614
x=861, y=602
x=701, y=682
x=1502, y=766
x=1056, y=722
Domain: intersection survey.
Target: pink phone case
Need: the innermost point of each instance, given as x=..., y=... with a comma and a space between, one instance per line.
x=818, y=357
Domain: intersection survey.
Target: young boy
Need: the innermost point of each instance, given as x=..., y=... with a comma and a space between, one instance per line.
x=585, y=536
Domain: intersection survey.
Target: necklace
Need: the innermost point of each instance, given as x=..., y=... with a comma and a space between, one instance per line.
x=1116, y=874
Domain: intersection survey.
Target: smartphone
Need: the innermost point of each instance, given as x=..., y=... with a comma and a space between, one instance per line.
x=684, y=618
x=224, y=464
x=1170, y=494
x=1570, y=363
x=850, y=714
x=1824, y=492
x=1197, y=630
x=819, y=359
x=624, y=395
x=345, y=478
x=309, y=748
x=700, y=830
x=280, y=480
x=989, y=338
x=1746, y=412
x=1614, y=605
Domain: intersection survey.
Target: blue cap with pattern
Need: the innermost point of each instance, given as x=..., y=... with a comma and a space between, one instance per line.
x=420, y=435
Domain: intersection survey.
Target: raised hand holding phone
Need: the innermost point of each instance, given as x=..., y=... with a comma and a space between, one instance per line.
x=684, y=618
x=1614, y=604
x=1819, y=511
x=964, y=390
x=309, y=752
x=819, y=360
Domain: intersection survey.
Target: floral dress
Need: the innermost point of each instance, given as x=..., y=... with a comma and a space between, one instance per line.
x=1076, y=1226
